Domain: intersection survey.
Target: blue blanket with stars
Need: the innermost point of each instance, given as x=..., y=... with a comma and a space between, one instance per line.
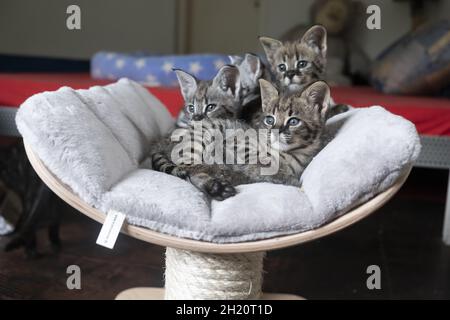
x=154, y=71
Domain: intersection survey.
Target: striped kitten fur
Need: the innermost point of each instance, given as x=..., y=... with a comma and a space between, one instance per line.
x=298, y=119
x=295, y=65
x=251, y=70
x=222, y=98
x=216, y=98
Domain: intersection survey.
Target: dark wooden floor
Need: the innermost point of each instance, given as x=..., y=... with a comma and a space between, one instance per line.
x=403, y=238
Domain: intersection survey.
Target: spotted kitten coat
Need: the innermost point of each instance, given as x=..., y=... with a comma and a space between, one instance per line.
x=234, y=89
x=295, y=65
x=251, y=69
x=217, y=98
x=298, y=119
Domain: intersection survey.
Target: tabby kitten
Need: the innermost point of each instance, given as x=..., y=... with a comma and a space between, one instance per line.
x=295, y=123
x=295, y=65
x=251, y=69
x=217, y=98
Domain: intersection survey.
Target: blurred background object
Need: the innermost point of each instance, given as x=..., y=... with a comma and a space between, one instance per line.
x=160, y=28
x=347, y=63
x=418, y=63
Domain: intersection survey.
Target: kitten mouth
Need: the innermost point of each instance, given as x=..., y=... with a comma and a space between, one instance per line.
x=281, y=144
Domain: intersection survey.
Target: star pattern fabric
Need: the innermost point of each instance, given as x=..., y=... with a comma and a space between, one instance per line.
x=155, y=70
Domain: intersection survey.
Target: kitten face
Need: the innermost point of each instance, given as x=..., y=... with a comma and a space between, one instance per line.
x=251, y=70
x=299, y=118
x=218, y=98
x=295, y=65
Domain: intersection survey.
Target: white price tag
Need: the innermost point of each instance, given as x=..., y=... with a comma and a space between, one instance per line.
x=111, y=229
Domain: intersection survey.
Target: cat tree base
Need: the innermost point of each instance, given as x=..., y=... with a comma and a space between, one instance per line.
x=150, y=293
x=205, y=276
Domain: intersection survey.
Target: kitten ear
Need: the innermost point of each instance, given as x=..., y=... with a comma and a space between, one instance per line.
x=316, y=38
x=228, y=79
x=268, y=93
x=235, y=60
x=188, y=84
x=270, y=46
x=252, y=65
x=318, y=97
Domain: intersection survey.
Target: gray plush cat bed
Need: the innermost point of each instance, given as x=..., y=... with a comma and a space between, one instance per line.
x=90, y=147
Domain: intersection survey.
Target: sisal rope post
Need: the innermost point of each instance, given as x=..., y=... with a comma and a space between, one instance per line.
x=206, y=276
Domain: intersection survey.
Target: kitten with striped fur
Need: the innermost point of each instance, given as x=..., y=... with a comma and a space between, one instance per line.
x=251, y=70
x=296, y=125
x=219, y=98
x=234, y=88
x=295, y=65
x=216, y=98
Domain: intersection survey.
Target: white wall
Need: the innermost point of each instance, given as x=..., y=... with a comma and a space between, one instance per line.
x=38, y=27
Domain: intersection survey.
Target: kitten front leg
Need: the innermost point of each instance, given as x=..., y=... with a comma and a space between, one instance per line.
x=215, y=188
x=162, y=163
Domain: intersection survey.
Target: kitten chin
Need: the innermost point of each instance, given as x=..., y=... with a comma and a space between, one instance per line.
x=278, y=144
x=294, y=87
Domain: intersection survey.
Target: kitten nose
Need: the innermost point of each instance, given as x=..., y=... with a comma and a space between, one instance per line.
x=290, y=74
x=197, y=117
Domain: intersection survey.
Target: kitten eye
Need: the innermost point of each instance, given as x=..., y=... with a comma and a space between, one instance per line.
x=282, y=67
x=210, y=107
x=301, y=64
x=191, y=108
x=269, y=120
x=294, y=121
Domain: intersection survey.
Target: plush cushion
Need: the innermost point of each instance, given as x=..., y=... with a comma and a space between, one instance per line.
x=95, y=141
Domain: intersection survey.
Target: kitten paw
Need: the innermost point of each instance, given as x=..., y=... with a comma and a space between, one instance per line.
x=220, y=190
x=180, y=173
x=162, y=164
x=158, y=159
